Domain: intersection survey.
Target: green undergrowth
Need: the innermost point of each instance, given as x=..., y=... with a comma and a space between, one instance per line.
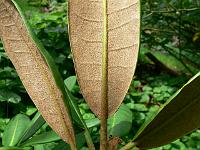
x=152, y=84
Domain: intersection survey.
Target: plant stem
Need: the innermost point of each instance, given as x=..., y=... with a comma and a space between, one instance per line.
x=103, y=135
x=89, y=140
x=130, y=146
x=73, y=146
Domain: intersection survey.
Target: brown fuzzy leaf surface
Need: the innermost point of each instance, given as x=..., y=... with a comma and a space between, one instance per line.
x=34, y=72
x=86, y=34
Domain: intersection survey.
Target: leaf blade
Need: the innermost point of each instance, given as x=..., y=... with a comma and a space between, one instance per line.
x=70, y=82
x=36, y=123
x=104, y=52
x=33, y=62
x=15, y=129
x=121, y=122
x=175, y=119
x=43, y=138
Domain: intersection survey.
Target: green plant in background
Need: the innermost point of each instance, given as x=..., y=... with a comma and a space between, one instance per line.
x=145, y=97
x=20, y=130
x=169, y=29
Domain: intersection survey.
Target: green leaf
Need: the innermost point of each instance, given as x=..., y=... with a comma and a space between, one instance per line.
x=39, y=147
x=15, y=130
x=80, y=140
x=179, y=116
x=145, y=98
x=139, y=107
x=70, y=82
x=51, y=136
x=92, y=122
x=13, y=148
x=62, y=146
x=43, y=138
x=3, y=123
x=9, y=96
x=31, y=110
x=77, y=116
x=36, y=123
x=121, y=122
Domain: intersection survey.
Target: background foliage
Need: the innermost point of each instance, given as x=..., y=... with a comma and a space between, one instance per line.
x=169, y=56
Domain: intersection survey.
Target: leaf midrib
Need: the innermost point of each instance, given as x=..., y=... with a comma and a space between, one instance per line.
x=14, y=133
x=40, y=65
x=104, y=96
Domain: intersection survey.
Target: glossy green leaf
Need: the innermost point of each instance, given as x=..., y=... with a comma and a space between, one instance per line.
x=13, y=148
x=70, y=82
x=36, y=123
x=9, y=96
x=77, y=116
x=45, y=137
x=39, y=147
x=15, y=130
x=31, y=110
x=64, y=146
x=179, y=116
x=121, y=122
x=92, y=122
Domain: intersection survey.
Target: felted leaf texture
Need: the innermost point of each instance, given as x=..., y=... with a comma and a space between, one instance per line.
x=104, y=38
x=34, y=70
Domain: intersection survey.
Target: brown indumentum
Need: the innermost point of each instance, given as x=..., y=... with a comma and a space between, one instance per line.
x=34, y=72
x=105, y=41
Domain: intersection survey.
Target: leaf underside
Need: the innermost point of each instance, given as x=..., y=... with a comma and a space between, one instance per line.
x=33, y=70
x=179, y=116
x=105, y=48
